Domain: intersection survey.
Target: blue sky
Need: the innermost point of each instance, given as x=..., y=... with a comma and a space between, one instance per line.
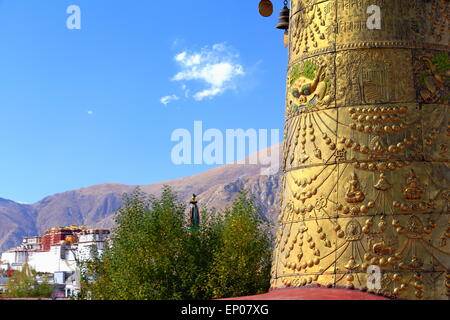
x=84, y=107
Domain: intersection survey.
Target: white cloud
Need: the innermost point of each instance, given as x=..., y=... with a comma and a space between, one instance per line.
x=188, y=60
x=219, y=47
x=215, y=67
x=185, y=90
x=180, y=57
x=168, y=99
x=90, y=112
x=207, y=93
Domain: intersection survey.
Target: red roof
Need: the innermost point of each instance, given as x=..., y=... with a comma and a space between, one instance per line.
x=313, y=294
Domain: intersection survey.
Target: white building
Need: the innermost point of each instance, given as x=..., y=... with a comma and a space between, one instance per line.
x=57, y=251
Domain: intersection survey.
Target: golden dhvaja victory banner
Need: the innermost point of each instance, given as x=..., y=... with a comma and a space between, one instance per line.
x=366, y=190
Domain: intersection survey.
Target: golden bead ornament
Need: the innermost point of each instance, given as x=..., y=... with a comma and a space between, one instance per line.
x=265, y=8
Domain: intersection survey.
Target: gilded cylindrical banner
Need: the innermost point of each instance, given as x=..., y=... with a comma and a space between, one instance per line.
x=366, y=192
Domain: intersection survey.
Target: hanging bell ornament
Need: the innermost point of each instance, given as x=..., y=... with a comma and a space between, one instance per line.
x=265, y=8
x=283, y=20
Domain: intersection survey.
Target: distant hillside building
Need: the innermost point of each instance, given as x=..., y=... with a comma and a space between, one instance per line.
x=57, y=251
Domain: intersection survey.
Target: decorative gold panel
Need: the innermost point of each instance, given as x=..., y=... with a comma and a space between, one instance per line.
x=371, y=76
x=311, y=139
x=404, y=23
x=311, y=85
x=310, y=194
x=401, y=29
x=312, y=30
x=436, y=132
x=435, y=20
x=299, y=5
x=380, y=137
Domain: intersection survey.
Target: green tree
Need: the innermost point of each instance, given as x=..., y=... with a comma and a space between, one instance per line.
x=242, y=263
x=23, y=284
x=202, y=245
x=86, y=273
x=152, y=255
x=148, y=256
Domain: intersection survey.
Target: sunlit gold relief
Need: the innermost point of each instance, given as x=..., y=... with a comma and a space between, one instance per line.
x=366, y=150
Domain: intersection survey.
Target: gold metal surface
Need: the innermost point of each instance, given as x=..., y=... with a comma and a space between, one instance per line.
x=366, y=154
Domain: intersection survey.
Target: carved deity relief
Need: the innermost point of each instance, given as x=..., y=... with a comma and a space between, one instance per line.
x=354, y=192
x=383, y=184
x=413, y=189
x=353, y=231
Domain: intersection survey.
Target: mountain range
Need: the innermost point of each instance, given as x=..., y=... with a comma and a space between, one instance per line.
x=95, y=206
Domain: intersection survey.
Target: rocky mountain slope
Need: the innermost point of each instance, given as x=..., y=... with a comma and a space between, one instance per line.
x=16, y=220
x=95, y=206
